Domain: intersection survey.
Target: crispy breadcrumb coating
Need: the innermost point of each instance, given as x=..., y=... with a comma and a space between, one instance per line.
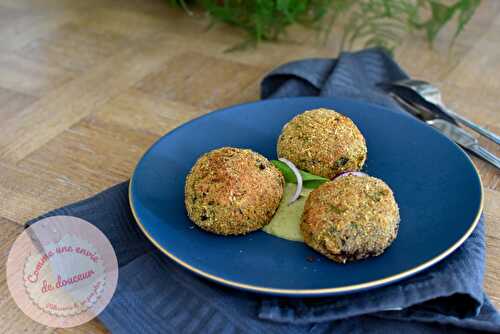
x=323, y=142
x=232, y=191
x=350, y=218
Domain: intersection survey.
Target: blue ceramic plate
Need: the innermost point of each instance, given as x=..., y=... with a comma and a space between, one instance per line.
x=437, y=188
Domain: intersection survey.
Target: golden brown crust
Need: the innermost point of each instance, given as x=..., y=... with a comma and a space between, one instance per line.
x=233, y=191
x=323, y=142
x=350, y=218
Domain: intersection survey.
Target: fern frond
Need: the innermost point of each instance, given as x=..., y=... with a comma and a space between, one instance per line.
x=375, y=22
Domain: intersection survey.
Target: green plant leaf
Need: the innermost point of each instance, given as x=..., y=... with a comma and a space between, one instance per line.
x=441, y=14
x=468, y=8
x=308, y=180
x=373, y=22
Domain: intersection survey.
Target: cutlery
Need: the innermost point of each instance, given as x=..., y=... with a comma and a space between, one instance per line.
x=432, y=95
x=450, y=130
x=464, y=139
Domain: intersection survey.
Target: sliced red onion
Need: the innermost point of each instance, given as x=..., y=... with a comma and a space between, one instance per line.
x=350, y=173
x=296, y=171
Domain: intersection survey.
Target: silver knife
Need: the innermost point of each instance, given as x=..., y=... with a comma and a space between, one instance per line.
x=464, y=139
x=450, y=130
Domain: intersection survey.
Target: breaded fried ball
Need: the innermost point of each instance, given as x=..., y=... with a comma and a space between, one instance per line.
x=323, y=142
x=350, y=218
x=232, y=191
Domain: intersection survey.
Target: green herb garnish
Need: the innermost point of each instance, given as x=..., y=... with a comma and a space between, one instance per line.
x=309, y=180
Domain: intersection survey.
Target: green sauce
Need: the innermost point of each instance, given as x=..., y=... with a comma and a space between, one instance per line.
x=286, y=222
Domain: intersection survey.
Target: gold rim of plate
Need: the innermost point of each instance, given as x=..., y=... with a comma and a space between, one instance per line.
x=316, y=292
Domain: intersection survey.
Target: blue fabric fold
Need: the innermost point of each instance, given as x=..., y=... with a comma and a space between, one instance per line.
x=155, y=295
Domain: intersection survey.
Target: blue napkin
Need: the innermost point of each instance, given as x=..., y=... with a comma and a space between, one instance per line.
x=155, y=295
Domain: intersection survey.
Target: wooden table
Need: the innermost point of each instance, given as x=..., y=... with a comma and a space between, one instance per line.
x=87, y=86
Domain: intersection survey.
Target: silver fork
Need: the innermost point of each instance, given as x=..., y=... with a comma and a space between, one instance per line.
x=431, y=94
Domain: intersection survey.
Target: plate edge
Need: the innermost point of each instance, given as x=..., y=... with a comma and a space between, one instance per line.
x=309, y=292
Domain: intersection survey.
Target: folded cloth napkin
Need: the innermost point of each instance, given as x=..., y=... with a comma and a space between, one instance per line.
x=155, y=295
